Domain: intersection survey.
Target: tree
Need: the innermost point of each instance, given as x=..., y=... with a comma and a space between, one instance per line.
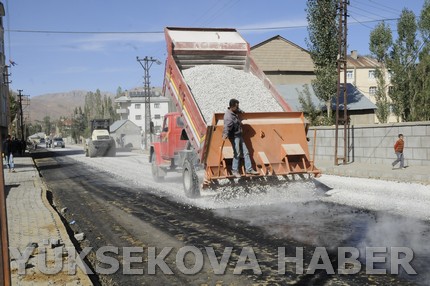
x=323, y=47
x=421, y=103
x=47, y=125
x=119, y=92
x=14, y=106
x=402, y=64
x=424, y=22
x=97, y=107
x=34, y=128
x=380, y=42
x=308, y=107
x=79, y=124
x=422, y=82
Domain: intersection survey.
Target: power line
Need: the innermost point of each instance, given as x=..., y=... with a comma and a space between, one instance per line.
x=361, y=23
x=161, y=32
x=380, y=8
x=368, y=12
x=80, y=32
x=360, y=14
x=387, y=7
x=220, y=11
x=206, y=12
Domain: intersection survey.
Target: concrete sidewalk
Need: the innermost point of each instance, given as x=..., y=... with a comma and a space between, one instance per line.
x=33, y=222
x=412, y=174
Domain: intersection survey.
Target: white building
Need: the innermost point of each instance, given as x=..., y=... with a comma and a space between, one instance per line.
x=132, y=107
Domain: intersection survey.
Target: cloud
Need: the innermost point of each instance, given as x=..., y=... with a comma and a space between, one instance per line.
x=87, y=70
x=101, y=42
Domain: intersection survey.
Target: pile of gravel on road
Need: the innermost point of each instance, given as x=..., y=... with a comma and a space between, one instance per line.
x=214, y=85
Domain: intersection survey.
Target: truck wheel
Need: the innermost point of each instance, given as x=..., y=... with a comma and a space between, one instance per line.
x=92, y=151
x=112, y=148
x=112, y=151
x=155, y=170
x=190, y=180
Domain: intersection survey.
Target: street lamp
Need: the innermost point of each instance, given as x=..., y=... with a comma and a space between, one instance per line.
x=146, y=65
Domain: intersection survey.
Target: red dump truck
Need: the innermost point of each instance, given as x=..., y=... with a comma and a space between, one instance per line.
x=191, y=137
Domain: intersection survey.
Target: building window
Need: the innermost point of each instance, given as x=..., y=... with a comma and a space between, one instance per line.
x=371, y=74
x=138, y=117
x=390, y=74
x=157, y=116
x=156, y=105
x=137, y=106
x=372, y=90
x=349, y=74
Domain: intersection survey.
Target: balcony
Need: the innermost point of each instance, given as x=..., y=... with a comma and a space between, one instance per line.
x=122, y=111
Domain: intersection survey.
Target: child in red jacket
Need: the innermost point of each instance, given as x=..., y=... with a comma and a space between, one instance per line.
x=398, y=149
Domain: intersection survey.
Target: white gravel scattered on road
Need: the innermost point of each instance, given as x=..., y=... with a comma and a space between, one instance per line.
x=214, y=85
x=406, y=199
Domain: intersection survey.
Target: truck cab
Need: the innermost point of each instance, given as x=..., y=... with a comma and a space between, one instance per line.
x=164, y=153
x=170, y=136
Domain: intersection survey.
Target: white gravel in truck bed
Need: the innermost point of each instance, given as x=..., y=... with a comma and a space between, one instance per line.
x=214, y=85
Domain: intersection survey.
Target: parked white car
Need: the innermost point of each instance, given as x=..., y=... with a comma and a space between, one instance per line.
x=58, y=142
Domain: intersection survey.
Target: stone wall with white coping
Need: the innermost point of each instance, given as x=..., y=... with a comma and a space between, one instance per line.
x=374, y=143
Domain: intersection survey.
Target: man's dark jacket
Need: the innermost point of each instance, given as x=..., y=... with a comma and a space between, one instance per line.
x=232, y=124
x=8, y=147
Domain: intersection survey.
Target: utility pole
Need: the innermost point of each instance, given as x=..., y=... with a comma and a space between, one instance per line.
x=342, y=66
x=21, y=114
x=146, y=65
x=5, y=277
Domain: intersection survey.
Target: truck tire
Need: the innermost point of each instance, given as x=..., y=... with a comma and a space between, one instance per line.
x=190, y=180
x=112, y=151
x=155, y=169
x=92, y=151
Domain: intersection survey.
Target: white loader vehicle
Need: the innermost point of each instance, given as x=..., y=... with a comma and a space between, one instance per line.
x=100, y=144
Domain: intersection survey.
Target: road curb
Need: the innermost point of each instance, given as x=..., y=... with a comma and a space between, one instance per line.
x=46, y=245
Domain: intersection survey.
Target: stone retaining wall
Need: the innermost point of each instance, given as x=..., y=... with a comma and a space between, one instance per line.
x=374, y=143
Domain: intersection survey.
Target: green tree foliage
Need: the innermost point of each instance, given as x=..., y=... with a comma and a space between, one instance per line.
x=312, y=112
x=323, y=46
x=381, y=96
x=422, y=82
x=424, y=22
x=79, y=125
x=380, y=41
x=33, y=128
x=308, y=107
x=119, y=92
x=98, y=107
x=402, y=64
x=421, y=102
x=47, y=125
x=14, y=105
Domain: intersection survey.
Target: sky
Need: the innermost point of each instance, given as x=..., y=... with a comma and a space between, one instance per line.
x=63, y=45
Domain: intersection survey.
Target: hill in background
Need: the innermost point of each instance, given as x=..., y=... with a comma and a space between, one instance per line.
x=56, y=105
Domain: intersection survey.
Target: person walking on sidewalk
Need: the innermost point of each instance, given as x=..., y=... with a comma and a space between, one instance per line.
x=233, y=131
x=8, y=150
x=398, y=149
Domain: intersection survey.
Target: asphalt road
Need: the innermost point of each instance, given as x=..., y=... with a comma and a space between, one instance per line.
x=114, y=212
